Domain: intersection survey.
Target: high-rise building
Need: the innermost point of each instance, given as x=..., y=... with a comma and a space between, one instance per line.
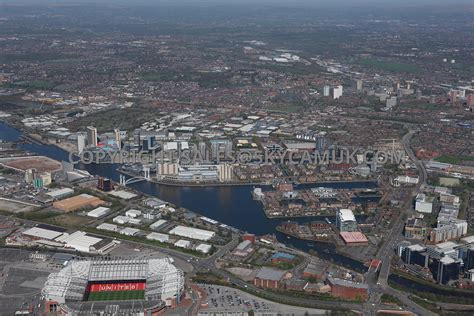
x=166, y=169
x=136, y=137
x=337, y=92
x=470, y=100
x=391, y=102
x=359, y=84
x=346, y=221
x=226, y=172
x=81, y=142
x=91, y=136
x=418, y=94
x=118, y=138
x=104, y=184
x=326, y=91
x=445, y=269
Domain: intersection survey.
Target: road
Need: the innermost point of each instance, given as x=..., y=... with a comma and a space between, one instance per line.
x=378, y=285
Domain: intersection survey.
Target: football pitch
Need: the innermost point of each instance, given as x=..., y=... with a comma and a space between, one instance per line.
x=116, y=295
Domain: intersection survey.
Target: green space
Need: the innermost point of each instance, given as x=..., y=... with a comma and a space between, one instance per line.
x=108, y=120
x=204, y=79
x=453, y=159
x=428, y=290
x=46, y=85
x=390, y=65
x=286, y=107
x=116, y=295
x=390, y=299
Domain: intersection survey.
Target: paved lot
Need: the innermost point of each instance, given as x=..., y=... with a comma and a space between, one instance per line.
x=225, y=300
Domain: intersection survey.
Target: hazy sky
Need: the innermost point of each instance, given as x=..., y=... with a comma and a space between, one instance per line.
x=250, y=2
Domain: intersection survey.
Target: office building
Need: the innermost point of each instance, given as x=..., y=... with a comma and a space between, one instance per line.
x=326, y=91
x=415, y=254
x=345, y=221
x=359, y=84
x=104, y=184
x=445, y=269
x=391, y=102
x=118, y=138
x=337, y=92
x=91, y=136
x=81, y=142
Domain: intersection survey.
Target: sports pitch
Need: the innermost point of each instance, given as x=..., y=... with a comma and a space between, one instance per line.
x=116, y=296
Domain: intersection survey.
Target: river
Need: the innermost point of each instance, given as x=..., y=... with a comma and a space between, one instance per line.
x=231, y=205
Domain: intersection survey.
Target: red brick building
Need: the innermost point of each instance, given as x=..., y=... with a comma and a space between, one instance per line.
x=268, y=278
x=348, y=289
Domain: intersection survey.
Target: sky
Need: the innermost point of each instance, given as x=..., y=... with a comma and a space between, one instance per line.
x=251, y=2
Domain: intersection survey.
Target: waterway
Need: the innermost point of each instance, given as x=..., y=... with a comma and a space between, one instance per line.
x=231, y=205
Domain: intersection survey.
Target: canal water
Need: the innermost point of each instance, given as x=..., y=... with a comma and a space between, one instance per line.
x=231, y=205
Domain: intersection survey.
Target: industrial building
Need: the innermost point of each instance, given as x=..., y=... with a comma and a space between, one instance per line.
x=44, y=235
x=77, y=202
x=99, y=212
x=158, y=237
x=182, y=243
x=60, y=193
x=346, y=221
x=193, y=233
x=204, y=248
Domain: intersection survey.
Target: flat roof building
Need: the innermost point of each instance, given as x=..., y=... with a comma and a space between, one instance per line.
x=99, y=212
x=193, y=233
x=77, y=202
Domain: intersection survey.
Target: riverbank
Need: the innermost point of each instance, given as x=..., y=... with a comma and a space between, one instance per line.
x=230, y=205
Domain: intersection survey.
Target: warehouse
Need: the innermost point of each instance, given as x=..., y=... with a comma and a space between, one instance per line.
x=127, y=231
x=159, y=237
x=79, y=241
x=108, y=227
x=204, y=248
x=77, y=202
x=133, y=213
x=38, y=232
x=99, y=212
x=121, y=219
x=186, y=244
x=123, y=195
x=159, y=223
x=354, y=238
x=193, y=233
x=60, y=193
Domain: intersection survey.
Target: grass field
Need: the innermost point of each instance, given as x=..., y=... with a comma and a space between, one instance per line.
x=390, y=65
x=116, y=296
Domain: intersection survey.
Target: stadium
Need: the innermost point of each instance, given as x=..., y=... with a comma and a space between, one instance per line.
x=141, y=285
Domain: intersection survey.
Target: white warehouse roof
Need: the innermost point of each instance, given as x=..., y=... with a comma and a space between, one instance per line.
x=98, y=212
x=158, y=236
x=79, y=240
x=193, y=233
x=60, y=192
x=42, y=233
x=204, y=248
x=183, y=243
x=109, y=227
